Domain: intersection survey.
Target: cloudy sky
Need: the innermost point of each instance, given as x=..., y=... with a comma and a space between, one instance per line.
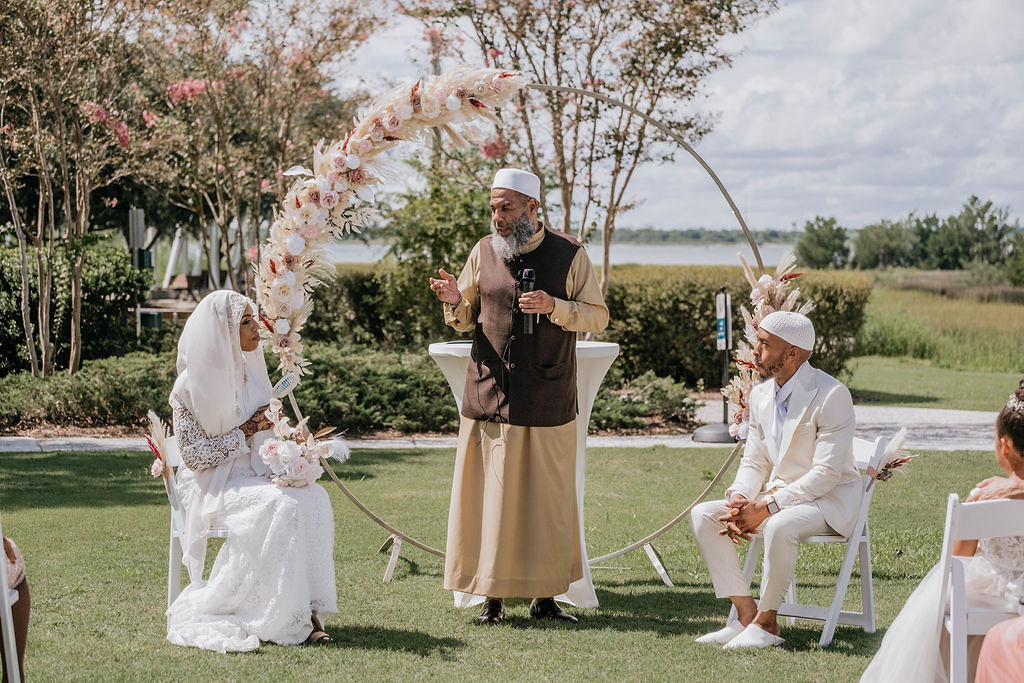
x=858, y=109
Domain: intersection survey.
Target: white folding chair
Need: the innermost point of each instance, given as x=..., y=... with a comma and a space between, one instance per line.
x=172, y=460
x=8, y=596
x=969, y=521
x=866, y=454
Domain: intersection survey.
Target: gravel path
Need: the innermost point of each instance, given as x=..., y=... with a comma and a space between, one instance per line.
x=927, y=429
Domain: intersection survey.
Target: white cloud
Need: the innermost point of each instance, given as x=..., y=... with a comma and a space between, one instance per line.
x=861, y=109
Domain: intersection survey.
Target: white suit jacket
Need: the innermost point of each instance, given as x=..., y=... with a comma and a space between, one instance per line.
x=814, y=461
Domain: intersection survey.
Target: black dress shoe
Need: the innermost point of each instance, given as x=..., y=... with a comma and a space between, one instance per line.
x=493, y=611
x=547, y=608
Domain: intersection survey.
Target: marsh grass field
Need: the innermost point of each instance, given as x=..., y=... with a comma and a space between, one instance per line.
x=93, y=528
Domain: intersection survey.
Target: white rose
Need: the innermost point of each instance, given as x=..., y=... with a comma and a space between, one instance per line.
x=297, y=299
x=271, y=455
x=480, y=88
x=352, y=161
x=323, y=186
x=288, y=452
x=295, y=245
x=282, y=326
x=405, y=111
x=452, y=102
x=286, y=276
x=282, y=290
x=430, y=107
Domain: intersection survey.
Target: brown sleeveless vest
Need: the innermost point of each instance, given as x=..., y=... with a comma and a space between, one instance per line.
x=520, y=379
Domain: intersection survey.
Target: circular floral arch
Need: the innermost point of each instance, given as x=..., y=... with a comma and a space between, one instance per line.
x=335, y=198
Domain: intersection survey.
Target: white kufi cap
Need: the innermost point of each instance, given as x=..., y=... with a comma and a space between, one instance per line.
x=522, y=182
x=791, y=327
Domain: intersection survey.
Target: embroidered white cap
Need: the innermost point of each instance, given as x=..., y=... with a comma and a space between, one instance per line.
x=791, y=327
x=522, y=182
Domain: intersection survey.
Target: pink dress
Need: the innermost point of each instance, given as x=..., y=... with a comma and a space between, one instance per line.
x=1002, y=654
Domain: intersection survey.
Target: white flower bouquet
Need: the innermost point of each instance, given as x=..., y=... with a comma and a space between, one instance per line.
x=293, y=456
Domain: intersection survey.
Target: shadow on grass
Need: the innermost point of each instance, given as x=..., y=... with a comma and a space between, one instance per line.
x=687, y=610
x=101, y=478
x=92, y=479
x=889, y=398
x=395, y=640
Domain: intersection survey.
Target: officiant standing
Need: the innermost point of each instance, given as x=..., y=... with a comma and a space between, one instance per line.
x=525, y=291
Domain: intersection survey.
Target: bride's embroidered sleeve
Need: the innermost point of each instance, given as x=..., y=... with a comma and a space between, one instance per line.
x=198, y=450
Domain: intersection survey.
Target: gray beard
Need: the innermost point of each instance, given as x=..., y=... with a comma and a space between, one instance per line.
x=507, y=248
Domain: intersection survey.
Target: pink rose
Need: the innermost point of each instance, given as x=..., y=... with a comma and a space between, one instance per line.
x=364, y=146
x=497, y=84
x=329, y=199
x=391, y=121
x=415, y=101
x=461, y=93
x=314, y=196
x=298, y=469
x=356, y=176
x=340, y=162
x=377, y=134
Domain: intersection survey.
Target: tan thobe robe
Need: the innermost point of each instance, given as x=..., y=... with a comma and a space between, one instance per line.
x=513, y=527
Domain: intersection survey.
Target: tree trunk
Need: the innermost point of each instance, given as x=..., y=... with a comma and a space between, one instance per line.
x=75, y=359
x=26, y=305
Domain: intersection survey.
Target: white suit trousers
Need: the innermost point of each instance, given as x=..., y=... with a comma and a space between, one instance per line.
x=782, y=533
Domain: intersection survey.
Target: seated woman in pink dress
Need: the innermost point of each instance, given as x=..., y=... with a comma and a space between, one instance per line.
x=20, y=610
x=1002, y=654
x=913, y=650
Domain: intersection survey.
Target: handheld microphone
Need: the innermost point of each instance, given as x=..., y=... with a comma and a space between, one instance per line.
x=527, y=281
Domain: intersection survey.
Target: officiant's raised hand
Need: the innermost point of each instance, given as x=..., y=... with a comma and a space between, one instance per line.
x=446, y=288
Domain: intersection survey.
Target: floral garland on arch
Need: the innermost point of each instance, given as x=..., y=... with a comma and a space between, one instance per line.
x=768, y=294
x=336, y=196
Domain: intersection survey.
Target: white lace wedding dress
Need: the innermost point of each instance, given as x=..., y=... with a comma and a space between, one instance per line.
x=911, y=651
x=277, y=565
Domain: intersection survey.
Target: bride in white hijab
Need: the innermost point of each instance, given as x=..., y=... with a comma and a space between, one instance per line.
x=273, y=580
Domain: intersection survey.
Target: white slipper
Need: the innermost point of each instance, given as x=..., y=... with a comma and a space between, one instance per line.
x=723, y=635
x=753, y=636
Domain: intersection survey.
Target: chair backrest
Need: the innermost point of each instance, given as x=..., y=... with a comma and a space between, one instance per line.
x=867, y=454
x=172, y=460
x=978, y=520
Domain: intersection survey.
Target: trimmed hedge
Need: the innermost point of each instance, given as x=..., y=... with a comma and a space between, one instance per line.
x=355, y=389
x=110, y=287
x=105, y=392
x=663, y=317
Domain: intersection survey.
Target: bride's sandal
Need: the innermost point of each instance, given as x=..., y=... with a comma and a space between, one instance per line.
x=318, y=636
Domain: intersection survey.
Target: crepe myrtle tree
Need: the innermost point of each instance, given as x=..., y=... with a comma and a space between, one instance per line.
x=70, y=122
x=649, y=54
x=243, y=96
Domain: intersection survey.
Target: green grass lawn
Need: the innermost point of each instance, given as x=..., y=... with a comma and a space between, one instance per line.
x=922, y=384
x=93, y=528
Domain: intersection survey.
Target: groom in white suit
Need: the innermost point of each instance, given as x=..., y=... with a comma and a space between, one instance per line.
x=797, y=478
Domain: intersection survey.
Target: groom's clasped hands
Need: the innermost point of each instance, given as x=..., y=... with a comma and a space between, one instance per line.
x=743, y=518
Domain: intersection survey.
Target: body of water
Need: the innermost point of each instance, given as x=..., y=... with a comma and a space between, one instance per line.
x=647, y=254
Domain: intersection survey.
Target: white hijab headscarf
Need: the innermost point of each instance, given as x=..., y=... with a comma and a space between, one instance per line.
x=222, y=386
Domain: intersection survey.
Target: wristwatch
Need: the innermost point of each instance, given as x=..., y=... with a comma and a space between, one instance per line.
x=772, y=505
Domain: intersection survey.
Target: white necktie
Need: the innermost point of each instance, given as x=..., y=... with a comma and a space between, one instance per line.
x=781, y=408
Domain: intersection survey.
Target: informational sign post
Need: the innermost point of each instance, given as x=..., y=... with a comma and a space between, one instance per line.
x=719, y=433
